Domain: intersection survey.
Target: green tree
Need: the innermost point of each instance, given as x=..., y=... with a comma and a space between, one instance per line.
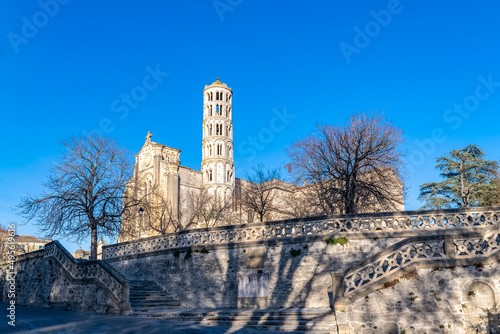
x=467, y=177
x=435, y=195
x=491, y=194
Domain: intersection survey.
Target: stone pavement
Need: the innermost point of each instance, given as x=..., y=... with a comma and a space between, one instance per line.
x=38, y=321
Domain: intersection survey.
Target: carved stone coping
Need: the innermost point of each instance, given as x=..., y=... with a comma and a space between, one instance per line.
x=458, y=249
x=94, y=270
x=367, y=225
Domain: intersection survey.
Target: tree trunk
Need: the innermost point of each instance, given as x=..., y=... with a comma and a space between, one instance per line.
x=93, y=245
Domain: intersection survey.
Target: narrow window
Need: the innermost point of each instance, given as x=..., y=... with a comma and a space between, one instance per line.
x=217, y=111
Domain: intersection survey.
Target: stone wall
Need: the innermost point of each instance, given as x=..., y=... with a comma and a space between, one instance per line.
x=52, y=278
x=298, y=273
x=413, y=272
x=429, y=300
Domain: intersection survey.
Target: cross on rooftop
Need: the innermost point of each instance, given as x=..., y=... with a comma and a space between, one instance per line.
x=148, y=137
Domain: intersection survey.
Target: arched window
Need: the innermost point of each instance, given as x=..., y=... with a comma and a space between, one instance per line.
x=211, y=96
x=229, y=175
x=229, y=151
x=210, y=110
x=210, y=175
x=217, y=109
x=210, y=130
x=210, y=149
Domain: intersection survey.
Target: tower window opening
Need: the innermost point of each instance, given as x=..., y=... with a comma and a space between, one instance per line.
x=217, y=110
x=210, y=110
x=210, y=175
x=210, y=130
x=211, y=96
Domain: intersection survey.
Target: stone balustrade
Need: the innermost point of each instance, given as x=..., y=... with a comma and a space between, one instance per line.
x=406, y=223
x=445, y=250
x=90, y=270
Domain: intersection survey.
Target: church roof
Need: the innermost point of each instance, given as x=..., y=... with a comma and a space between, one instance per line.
x=217, y=83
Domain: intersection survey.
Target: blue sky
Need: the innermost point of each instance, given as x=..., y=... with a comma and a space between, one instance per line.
x=65, y=67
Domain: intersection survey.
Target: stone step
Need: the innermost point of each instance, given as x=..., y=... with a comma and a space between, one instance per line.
x=157, y=289
x=258, y=322
x=271, y=325
x=281, y=327
x=147, y=297
x=154, y=304
x=150, y=297
x=300, y=317
x=317, y=321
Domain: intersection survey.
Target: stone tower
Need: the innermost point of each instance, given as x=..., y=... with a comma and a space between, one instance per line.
x=217, y=163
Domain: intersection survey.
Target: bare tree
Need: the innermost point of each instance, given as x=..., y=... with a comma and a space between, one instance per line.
x=353, y=167
x=159, y=215
x=210, y=209
x=84, y=193
x=301, y=202
x=259, y=193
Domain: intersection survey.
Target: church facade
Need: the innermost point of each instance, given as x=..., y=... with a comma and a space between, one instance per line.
x=175, y=197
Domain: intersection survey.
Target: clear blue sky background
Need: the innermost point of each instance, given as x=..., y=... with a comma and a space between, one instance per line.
x=65, y=76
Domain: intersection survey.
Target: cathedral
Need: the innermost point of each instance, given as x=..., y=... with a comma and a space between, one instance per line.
x=175, y=197
x=158, y=168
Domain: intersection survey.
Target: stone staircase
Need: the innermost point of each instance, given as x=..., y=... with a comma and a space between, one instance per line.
x=296, y=320
x=147, y=297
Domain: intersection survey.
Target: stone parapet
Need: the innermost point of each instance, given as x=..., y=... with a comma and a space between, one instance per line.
x=371, y=225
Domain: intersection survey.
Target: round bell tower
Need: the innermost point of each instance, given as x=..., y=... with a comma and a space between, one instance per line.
x=217, y=164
